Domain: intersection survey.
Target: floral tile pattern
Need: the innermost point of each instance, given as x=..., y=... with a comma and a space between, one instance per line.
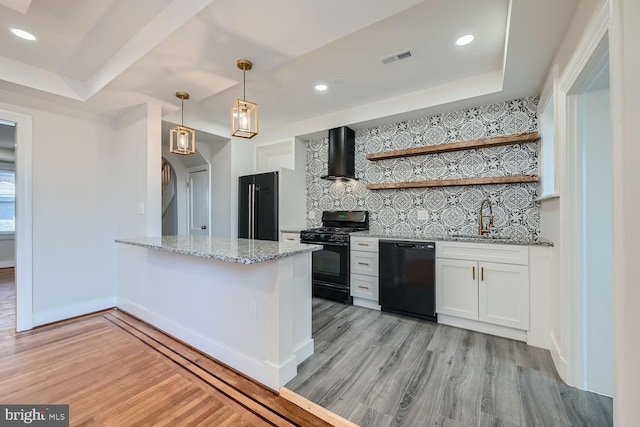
x=450, y=210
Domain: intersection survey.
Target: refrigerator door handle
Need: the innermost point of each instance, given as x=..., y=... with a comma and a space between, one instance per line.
x=253, y=211
x=249, y=213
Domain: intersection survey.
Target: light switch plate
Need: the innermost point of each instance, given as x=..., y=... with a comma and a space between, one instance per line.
x=423, y=215
x=312, y=215
x=141, y=208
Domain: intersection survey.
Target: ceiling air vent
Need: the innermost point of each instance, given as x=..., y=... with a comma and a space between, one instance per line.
x=397, y=57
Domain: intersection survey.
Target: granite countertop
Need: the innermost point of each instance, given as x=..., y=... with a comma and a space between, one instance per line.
x=243, y=251
x=460, y=238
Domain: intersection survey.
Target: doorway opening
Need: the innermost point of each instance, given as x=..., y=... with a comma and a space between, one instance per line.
x=169, y=199
x=589, y=114
x=199, y=205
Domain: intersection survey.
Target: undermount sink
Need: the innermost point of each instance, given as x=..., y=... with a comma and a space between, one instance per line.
x=479, y=237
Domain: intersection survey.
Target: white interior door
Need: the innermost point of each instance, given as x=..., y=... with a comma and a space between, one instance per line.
x=199, y=202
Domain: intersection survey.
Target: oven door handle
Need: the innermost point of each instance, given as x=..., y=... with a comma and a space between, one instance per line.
x=325, y=243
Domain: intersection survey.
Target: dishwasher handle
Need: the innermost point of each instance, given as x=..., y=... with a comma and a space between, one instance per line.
x=411, y=245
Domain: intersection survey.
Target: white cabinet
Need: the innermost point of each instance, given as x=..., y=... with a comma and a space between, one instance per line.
x=366, y=244
x=483, y=282
x=364, y=263
x=290, y=237
x=364, y=271
x=457, y=288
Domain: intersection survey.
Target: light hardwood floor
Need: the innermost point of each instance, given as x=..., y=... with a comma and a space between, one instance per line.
x=380, y=369
x=114, y=370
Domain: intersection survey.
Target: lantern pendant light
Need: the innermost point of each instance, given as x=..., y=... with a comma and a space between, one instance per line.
x=244, y=114
x=183, y=139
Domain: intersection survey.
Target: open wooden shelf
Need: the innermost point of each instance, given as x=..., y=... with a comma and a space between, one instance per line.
x=456, y=146
x=454, y=182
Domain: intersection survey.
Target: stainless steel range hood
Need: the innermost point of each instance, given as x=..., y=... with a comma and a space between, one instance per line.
x=342, y=149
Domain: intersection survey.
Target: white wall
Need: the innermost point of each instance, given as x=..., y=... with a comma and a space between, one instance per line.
x=137, y=167
x=7, y=252
x=625, y=90
x=221, y=197
x=73, y=210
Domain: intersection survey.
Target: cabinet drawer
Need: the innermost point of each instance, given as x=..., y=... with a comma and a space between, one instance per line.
x=364, y=287
x=290, y=237
x=364, y=263
x=368, y=244
x=506, y=254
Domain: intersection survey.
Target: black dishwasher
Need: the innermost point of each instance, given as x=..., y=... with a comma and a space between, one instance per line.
x=407, y=271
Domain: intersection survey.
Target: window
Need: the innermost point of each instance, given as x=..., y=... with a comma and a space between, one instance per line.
x=547, y=150
x=7, y=201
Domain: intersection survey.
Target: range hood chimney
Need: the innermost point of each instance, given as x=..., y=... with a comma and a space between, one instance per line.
x=342, y=152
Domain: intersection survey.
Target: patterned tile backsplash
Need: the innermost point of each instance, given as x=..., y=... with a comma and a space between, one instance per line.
x=449, y=210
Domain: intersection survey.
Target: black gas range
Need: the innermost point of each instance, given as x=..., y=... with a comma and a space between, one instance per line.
x=331, y=265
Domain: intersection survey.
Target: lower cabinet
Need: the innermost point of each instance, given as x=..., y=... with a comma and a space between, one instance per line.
x=364, y=271
x=492, y=292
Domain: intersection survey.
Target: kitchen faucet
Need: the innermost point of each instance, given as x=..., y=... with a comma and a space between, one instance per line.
x=481, y=229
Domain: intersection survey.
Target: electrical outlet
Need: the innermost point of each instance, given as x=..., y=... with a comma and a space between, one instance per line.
x=254, y=309
x=423, y=215
x=141, y=208
x=312, y=214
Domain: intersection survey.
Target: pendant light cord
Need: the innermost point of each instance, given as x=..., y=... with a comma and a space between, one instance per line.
x=182, y=108
x=244, y=85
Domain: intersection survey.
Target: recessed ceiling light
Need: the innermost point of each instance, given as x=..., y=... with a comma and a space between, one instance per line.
x=321, y=87
x=464, y=40
x=23, y=34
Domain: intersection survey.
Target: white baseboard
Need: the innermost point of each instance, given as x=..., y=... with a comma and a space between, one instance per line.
x=8, y=263
x=361, y=302
x=303, y=350
x=556, y=354
x=487, y=328
x=266, y=372
x=73, y=310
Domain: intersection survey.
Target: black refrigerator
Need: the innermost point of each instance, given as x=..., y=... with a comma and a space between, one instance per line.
x=258, y=206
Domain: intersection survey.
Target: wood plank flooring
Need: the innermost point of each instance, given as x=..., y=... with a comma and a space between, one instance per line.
x=114, y=370
x=379, y=369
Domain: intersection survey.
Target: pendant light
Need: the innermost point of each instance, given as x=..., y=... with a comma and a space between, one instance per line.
x=183, y=139
x=244, y=114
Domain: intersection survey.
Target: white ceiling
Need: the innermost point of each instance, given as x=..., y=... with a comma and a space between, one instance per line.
x=105, y=56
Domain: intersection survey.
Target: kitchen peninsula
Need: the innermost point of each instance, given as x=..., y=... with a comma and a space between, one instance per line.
x=246, y=303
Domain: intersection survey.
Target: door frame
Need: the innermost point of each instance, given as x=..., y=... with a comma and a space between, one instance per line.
x=202, y=168
x=583, y=67
x=24, y=218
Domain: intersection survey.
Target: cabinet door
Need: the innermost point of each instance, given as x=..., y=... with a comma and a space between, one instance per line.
x=457, y=288
x=504, y=294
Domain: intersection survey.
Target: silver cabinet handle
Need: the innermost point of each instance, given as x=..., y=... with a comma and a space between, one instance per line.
x=363, y=287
